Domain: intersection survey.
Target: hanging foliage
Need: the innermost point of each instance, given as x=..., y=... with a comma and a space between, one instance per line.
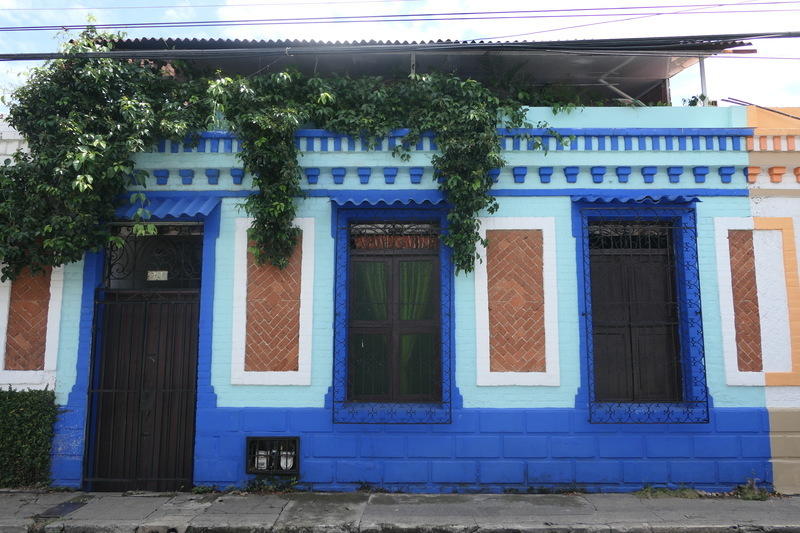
x=84, y=118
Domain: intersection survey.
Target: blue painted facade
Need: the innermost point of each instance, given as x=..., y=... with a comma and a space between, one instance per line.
x=492, y=438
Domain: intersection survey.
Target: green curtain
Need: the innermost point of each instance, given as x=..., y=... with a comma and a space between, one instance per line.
x=370, y=293
x=416, y=303
x=416, y=282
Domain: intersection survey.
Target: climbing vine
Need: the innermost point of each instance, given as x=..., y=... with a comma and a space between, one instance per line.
x=84, y=118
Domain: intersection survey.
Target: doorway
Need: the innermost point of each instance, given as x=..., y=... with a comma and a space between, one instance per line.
x=144, y=365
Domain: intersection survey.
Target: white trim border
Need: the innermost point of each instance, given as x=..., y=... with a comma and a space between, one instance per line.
x=733, y=376
x=549, y=378
x=301, y=376
x=34, y=379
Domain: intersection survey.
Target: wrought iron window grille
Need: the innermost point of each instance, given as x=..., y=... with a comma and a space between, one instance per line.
x=278, y=456
x=391, y=231
x=662, y=231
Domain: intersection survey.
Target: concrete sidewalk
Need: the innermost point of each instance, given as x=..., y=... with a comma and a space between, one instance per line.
x=383, y=513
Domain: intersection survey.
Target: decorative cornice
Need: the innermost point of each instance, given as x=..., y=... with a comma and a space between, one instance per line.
x=510, y=140
x=773, y=143
x=521, y=177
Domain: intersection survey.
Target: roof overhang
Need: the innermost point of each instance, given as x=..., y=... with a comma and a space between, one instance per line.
x=634, y=66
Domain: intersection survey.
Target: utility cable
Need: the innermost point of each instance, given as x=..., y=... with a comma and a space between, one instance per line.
x=336, y=2
x=694, y=7
x=202, y=6
x=421, y=17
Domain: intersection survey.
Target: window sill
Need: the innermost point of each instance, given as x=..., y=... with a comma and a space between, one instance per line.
x=391, y=413
x=649, y=413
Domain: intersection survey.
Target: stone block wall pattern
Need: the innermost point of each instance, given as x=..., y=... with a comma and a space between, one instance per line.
x=26, y=332
x=516, y=301
x=785, y=445
x=273, y=314
x=745, y=300
x=493, y=450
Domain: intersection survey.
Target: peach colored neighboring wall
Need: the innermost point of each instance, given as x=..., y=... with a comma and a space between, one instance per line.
x=273, y=315
x=516, y=301
x=785, y=225
x=745, y=300
x=27, y=321
x=764, y=120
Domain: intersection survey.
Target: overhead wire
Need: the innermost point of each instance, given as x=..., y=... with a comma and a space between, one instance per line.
x=413, y=17
x=203, y=6
x=338, y=2
x=695, y=8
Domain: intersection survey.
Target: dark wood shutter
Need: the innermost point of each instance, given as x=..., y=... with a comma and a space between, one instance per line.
x=634, y=310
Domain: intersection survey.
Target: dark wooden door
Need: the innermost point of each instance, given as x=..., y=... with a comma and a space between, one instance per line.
x=143, y=389
x=634, y=315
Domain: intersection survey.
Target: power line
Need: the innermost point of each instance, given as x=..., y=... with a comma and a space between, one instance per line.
x=336, y=2
x=416, y=17
x=202, y=6
x=695, y=8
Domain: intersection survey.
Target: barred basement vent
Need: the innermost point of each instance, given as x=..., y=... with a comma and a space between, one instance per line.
x=273, y=455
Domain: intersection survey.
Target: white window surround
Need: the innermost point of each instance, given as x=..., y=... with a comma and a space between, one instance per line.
x=301, y=376
x=549, y=378
x=34, y=379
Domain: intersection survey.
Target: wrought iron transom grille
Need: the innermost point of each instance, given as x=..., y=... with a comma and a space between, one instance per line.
x=643, y=323
x=170, y=259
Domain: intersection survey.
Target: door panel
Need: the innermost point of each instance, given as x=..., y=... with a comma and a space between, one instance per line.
x=636, y=354
x=143, y=390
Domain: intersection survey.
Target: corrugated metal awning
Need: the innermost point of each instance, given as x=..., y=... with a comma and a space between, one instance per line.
x=636, y=198
x=172, y=207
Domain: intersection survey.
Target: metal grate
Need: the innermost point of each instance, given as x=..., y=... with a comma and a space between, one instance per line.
x=170, y=259
x=273, y=455
x=642, y=315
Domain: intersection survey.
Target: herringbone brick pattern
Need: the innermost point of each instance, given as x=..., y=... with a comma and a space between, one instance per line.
x=273, y=315
x=27, y=321
x=516, y=301
x=745, y=300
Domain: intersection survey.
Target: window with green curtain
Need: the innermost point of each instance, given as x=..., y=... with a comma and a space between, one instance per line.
x=394, y=326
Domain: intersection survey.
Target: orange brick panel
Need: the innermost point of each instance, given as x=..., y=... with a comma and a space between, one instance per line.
x=27, y=321
x=516, y=301
x=745, y=300
x=273, y=315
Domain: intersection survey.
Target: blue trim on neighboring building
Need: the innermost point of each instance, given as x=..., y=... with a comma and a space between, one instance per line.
x=393, y=413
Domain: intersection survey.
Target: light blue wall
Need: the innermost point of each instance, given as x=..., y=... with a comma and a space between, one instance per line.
x=322, y=342
x=723, y=395
x=643, y=117
x=559, y=207
x=70, y=330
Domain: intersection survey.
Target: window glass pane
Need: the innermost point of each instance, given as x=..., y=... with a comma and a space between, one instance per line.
x=417, y=285
x=368, y=364
x=418, y=364
x=369, y=291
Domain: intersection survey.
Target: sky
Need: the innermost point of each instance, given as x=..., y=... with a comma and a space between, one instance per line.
x=770, y=77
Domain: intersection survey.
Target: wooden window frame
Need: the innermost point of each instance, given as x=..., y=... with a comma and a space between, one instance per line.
x=393, y=325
